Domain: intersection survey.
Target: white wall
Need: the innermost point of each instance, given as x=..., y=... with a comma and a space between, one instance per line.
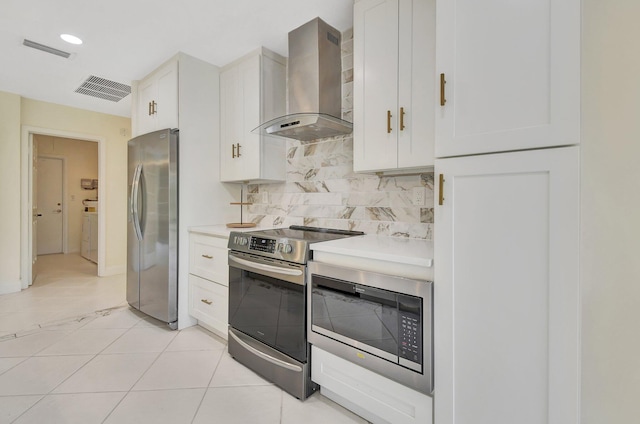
x=110, y=127
x=16, y=112
x=610, y=256
x=9, y=192
x=81, y=162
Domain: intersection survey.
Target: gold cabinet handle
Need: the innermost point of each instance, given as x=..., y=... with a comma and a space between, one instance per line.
x=441, y=190
x=388, y=122
x=233, y=151
x=207, y=256
x=207, y=301
x=442, y=83
x=401, y=118
x=238, y=149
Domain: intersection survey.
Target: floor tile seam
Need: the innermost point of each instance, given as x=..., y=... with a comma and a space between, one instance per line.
x=195, y=413
x=228, y=386
x=160, y=352
x=24, y=358
x=102, y=352
x=38, y=327
x=215, y=369
x=125, y=394
x=73, y=373
x=167, y=389
x=29, y=408
x=150, y=365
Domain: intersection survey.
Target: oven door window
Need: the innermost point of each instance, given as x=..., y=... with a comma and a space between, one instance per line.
x=270, y=310
x=366, y=316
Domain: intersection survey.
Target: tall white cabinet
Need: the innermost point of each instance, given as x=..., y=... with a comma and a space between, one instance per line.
x=394, y=53
x=253, y=90
x=507, y=288
x=203, y=198
x=512, y=72
x=506, y=238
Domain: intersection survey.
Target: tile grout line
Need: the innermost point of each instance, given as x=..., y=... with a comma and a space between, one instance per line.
x=206, y=389
x=143, y=373
x=50, y=393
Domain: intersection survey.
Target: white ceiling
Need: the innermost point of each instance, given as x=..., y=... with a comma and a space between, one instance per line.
x=124, y=40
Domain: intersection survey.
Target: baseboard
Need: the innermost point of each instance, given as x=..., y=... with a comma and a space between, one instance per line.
x=113, y=270
x=10, y=287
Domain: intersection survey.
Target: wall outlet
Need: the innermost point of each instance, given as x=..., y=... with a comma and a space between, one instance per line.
x=418, y=196
x=265, y=197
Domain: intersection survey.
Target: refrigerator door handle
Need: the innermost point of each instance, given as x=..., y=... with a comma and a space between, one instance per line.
x=135, y=190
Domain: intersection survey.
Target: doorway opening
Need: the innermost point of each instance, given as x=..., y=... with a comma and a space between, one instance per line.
x=65, y=197
x=78, y=201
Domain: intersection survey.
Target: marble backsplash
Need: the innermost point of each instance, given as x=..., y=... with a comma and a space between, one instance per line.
x=321, y=189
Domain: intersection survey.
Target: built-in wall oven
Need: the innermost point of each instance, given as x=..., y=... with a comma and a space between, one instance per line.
x=381, y=322
x=268, y=303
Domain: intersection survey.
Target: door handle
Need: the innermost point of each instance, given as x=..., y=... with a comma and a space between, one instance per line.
x=58, y=210
x=135, y=189
x=38, y=214
x=388, y=122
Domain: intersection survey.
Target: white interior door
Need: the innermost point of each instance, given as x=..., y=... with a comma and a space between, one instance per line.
x=49, y=202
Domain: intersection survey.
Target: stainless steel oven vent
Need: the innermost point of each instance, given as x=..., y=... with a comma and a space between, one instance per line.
x=314, y=80
x=46, y=49
x=104, y=89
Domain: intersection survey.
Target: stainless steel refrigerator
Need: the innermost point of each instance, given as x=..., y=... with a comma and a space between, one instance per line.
x=152, y=228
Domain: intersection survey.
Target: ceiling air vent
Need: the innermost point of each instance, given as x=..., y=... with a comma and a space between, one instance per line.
x=104, y=89
x=44, y=48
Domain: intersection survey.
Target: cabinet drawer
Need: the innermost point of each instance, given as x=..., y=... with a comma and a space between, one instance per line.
x=209, y=304
x=208, y=258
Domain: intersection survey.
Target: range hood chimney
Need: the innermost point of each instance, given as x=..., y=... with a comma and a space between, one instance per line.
x=314, y=78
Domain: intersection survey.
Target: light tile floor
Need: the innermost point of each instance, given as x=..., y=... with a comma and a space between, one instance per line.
x=72, y=351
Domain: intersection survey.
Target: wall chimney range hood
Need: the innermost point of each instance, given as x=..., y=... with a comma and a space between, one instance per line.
x=314, y=78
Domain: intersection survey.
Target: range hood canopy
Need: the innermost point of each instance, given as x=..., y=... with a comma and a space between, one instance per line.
x=314, y=78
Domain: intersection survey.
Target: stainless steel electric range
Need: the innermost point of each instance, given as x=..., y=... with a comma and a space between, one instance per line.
x=267, y=303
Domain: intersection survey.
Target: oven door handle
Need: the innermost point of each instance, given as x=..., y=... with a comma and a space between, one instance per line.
x=263, y=267
x=264, y=356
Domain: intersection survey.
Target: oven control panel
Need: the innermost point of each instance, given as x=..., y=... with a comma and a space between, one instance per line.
x=272, y=247
x=262, y=244
x=410, y=342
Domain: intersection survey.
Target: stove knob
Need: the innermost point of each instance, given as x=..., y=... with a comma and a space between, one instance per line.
x=242, y=241
x=287, y=248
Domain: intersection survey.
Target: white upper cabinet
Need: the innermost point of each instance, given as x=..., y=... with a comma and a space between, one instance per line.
x=394, y=71
x=512, y=72
x=157, y=100
x=252, y=91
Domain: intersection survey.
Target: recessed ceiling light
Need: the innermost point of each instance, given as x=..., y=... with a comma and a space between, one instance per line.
x=71, y=39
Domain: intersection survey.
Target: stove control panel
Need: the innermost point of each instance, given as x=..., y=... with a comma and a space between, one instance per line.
x=270, y=246
x=262, y=244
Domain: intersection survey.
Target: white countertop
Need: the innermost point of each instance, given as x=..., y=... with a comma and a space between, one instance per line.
x=221, y=230
x=410, y=251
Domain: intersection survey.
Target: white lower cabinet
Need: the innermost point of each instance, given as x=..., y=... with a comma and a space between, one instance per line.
x=506, y=292
x=368, y=394
x=209, y=304
x=209, y=282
